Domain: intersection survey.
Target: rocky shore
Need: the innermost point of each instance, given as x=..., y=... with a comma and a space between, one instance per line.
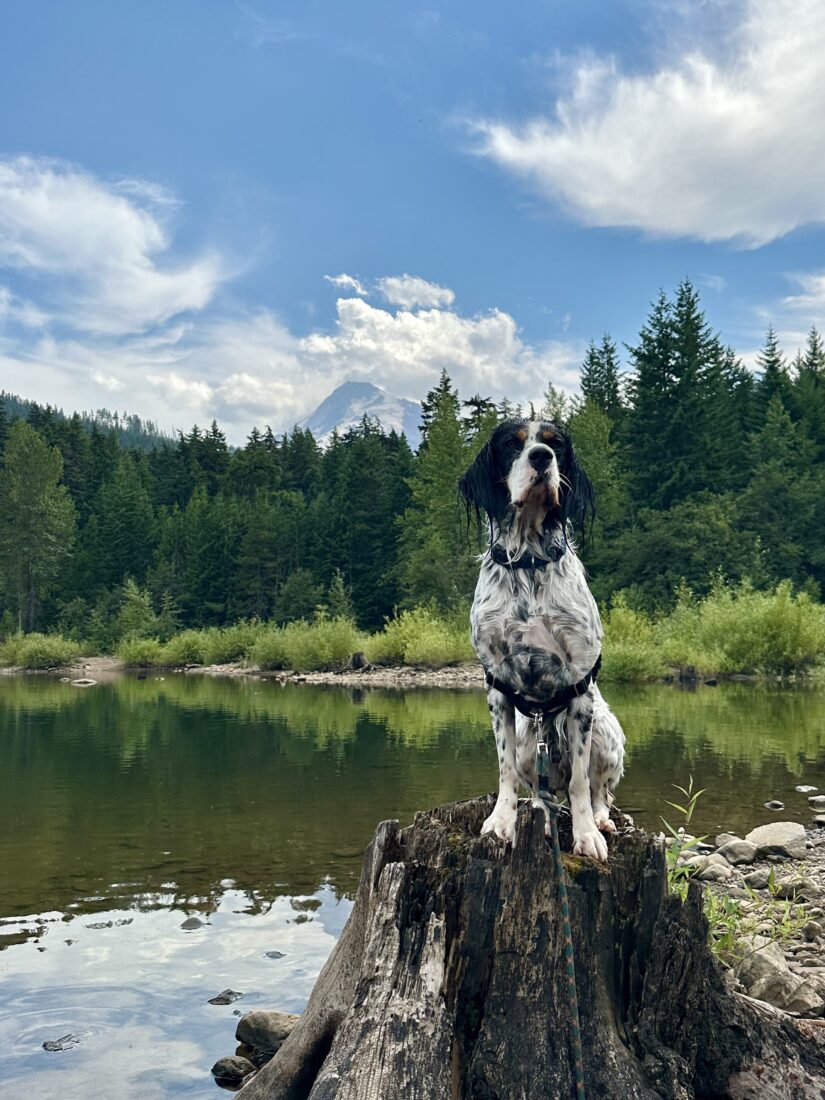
x=767, y=910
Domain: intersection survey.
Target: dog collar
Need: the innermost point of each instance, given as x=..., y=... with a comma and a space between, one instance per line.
x=526, y=561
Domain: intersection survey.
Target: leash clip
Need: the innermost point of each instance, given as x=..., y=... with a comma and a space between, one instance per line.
x=542, y=755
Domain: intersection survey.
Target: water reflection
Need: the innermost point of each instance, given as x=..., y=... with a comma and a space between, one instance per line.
x=131, y=807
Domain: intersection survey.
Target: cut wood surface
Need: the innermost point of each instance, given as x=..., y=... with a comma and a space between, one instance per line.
x=448, y=981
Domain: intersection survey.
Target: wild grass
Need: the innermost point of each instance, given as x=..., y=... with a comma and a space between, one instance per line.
x=308, y=647
x=37, y=651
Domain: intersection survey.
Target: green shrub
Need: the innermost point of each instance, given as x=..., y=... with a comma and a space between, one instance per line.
x=421, y=637
x=39, y=651
x=270, y=651
x=231, y=643
x=308, y=647
x=630, y=650
x=141, y=652
x=186, y=648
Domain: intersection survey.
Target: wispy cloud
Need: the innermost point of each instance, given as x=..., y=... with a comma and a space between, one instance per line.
x=347, y=282
x=99, y=252
x=263, y=30
x=721, y=143
x=410, y=291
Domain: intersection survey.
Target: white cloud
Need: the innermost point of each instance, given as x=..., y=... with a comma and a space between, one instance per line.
x=109, y=323
x=98, y=248
x=347, y=282
x=410, y=291
x=721, y=143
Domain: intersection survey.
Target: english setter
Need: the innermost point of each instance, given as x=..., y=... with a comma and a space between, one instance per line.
x=537, y=631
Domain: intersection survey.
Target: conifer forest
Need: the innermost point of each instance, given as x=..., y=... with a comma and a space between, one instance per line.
x=705, y=472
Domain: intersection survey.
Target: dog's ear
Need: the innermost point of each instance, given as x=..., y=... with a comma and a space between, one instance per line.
x=576, y=499
x=481, y=486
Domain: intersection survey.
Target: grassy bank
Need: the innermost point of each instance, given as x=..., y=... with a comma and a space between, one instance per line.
x=732, y=630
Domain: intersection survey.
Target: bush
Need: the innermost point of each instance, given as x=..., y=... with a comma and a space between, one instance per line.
x=630, y=650
x=231, y=643
x=141, y=652
x=39, y=651
x=421, y=637
x=308, y=647
x=186, y=648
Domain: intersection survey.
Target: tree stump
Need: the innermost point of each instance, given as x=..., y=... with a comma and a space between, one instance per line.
x=448, y=981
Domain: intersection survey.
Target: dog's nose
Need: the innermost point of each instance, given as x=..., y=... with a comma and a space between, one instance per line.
x=540, y=458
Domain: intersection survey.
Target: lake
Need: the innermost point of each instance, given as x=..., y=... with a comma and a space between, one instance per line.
x=130, y=807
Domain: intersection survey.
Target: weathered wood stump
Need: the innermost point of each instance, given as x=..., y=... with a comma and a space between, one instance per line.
x=447, y=982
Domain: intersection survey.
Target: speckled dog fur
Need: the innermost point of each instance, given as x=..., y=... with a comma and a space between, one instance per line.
x=539, y=630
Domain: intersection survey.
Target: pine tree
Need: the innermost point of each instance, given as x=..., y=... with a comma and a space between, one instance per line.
x=809, y=391
x=774, y=380
x=441, y=396
x=37, y=521
x=600, y=380
x=120, y=538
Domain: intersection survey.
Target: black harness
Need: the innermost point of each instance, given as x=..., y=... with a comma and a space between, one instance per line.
x=527, y=561
x=532, y=708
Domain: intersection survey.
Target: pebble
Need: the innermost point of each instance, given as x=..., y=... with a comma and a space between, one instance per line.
x=812, y=930
x=819, y=819
x=723, y=839
x=191, y=923
x=774, y=804
x=817, y=800
x=805, y=788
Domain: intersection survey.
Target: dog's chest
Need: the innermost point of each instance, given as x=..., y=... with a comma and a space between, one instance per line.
x=541, y=626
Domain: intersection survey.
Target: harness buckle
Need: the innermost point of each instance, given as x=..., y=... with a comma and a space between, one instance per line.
x=542, y=754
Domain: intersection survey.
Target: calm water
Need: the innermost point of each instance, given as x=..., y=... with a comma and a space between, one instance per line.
x=127, y=808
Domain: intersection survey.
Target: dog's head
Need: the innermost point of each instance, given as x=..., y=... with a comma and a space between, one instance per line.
x=527, y=472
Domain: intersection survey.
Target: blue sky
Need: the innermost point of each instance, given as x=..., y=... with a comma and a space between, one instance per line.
x=183, y=186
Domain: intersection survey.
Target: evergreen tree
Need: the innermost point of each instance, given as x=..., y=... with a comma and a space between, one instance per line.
x=600, y=381
x=442, y=395
x=774, y=380
x=37, y=522
x=120, y=538
x=809, y=392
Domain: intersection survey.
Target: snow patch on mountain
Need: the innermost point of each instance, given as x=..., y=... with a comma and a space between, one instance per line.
x=347, y=405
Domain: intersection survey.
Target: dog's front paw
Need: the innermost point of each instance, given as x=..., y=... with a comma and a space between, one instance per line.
x=591, y=843
x=502, y=822
x=603, y=822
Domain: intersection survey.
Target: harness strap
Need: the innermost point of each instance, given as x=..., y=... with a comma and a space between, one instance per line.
x=527, y=560
x=555, y=703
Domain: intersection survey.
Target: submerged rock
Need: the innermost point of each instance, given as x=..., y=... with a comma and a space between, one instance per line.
x=774, y=804
x=225, y=997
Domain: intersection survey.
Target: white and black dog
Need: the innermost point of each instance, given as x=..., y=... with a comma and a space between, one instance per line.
x=537, y=631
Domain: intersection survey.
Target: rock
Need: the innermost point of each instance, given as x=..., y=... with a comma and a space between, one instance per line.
x=819, y=819
x=723, y=839
x=805, y=788
x=692, y=860
x=757, y=880
x=265, y=1030
x=782, y=838
x=812, y=930
x=738, y=851
x=818, y=801
x=274, y=955
x=83, y=683
x=797, y=887
x=774, y=804
x=302, y=918
x=63, y=1043
x=191, y=923
x=789, y=992
x=715, y=872
x=225, y=997
x=232, y=1069
x=761, y=958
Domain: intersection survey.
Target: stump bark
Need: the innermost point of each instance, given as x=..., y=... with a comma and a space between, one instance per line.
x=448, y=981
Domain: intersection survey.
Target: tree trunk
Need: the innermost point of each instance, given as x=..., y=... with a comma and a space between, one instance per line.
x=448, y=982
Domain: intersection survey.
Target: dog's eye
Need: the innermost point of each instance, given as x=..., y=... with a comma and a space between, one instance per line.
x=514, y=444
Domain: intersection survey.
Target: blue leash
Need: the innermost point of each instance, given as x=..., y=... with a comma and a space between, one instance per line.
x=553, y=807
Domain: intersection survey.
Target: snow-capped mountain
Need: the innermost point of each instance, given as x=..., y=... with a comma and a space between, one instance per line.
x=346, y=406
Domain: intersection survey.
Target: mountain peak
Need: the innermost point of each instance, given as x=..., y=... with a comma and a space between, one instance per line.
x=350, y=402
